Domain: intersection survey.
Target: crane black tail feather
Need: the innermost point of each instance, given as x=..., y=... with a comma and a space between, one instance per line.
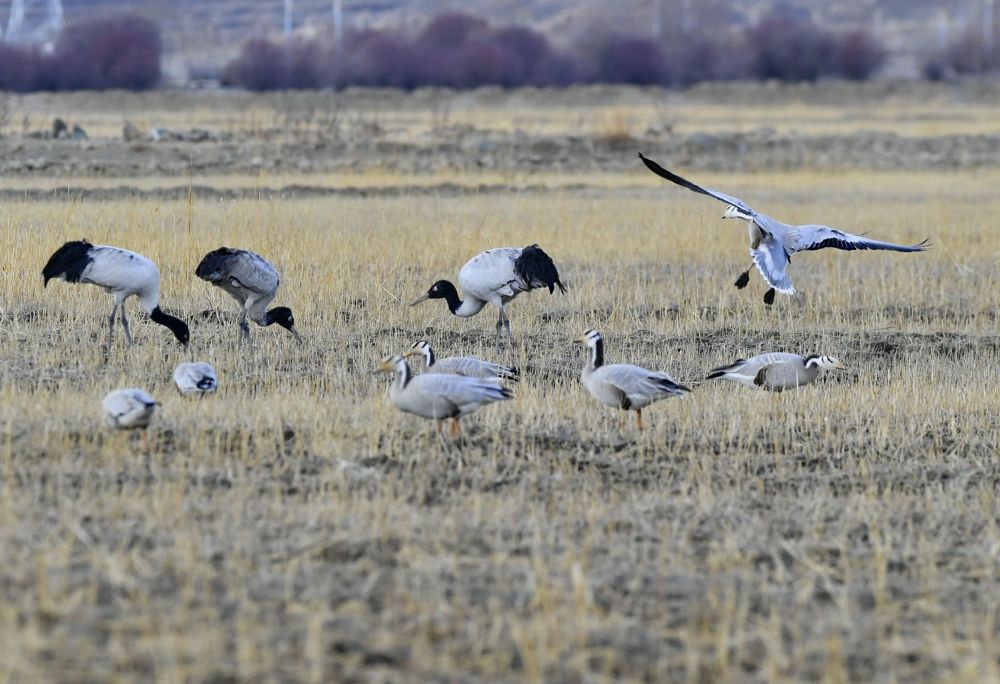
x=537, y=269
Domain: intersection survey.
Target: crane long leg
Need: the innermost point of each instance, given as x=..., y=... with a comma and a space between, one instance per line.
x=244, y=327
x=499, y=328
x=111, y=325
x=128, y=334
x=621, y=421
x=744, y=279
x=506, y=325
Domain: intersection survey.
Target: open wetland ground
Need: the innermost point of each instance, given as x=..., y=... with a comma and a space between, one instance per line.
x=296, y=527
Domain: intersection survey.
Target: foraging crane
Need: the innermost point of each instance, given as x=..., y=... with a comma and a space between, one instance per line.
x=776, y=371
x=122, y=274
x=623, y=386
x=468, y=366
x=438, y=396
x=196, y=378
x=496, y=277
x=772, y=243
x=253, y=283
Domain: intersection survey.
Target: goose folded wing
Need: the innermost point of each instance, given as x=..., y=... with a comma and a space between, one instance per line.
x=640, y=385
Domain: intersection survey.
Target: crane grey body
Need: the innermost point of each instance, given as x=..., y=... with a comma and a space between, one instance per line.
x=252, y=281
x=623, y=386
x=496, y=277
x=772, y=243
x=776, y=371
x=196, y=378
x=438, y=396
x=468, y=366
x=120, y=273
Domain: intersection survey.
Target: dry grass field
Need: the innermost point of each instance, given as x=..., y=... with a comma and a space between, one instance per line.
x=296, y=527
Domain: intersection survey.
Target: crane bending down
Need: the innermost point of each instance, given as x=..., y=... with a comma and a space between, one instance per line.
x=253, y=283
x=122, y=274
x=772, y=243
x=496, y=277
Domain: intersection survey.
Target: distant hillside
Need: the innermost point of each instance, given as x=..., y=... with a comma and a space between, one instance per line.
x=200, y=33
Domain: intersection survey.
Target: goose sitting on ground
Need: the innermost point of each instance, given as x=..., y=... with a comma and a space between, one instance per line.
x=496, y=277
x=623, y=386
x=438, y=396
x=468, y=366
x=128, y=409
x=772, y=243
x=196, y=378
x=776, y=371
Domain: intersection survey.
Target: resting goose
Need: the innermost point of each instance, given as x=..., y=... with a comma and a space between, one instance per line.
x=776, y=371
x=196, y=378
x=623, y=386
x=438, y=396
x=468, y=366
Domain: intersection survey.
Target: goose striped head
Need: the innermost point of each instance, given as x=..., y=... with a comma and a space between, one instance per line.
x=825, y=362
x=421, y=348
x=393, y=363
x=595, y=342
x=736, y=213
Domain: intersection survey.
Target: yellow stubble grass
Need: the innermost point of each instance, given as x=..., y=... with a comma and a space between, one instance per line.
x=297, y=525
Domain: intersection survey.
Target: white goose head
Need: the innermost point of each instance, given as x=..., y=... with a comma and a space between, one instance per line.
x=825, y=362
x=594, y=342
x=736, y=213
x=421, y=348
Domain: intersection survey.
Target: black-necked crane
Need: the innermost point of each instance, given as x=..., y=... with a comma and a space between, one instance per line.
x=623, y=386
x=196, y=378
x=252, y=281
x=496, y=277
x=772, y=243
x=122, y=274
x=776, y=371
x=438, y=396
x=469, y=366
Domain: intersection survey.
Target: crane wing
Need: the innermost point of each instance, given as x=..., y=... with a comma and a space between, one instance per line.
x=536, y=269
x=240, y=270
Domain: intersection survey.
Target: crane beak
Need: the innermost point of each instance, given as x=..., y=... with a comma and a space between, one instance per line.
x=298, y=337
x=422, y=298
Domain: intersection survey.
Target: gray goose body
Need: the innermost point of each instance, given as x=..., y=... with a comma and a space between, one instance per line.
x=438, y=396
x=623, y=386
x=776, y=371
x=468, y=366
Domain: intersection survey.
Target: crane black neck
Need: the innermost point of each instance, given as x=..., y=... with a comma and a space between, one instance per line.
x=178, y=327
x=449, y=293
